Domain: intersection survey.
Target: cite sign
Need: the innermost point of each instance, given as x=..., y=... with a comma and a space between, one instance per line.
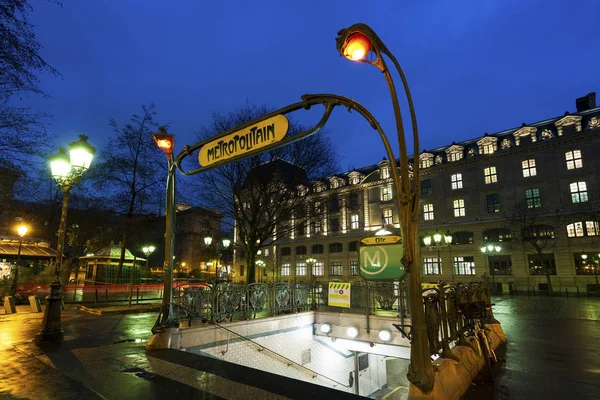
x=250, y=139
x=375, y=240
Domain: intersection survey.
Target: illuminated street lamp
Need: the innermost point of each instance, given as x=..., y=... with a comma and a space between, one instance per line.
x=66, y=170
x=310, y=262
x=360, y=43
x=438, y=242
x=147, y=250
x=166, y=142
x=491, y=250
x=22, y=231
x=219, y=247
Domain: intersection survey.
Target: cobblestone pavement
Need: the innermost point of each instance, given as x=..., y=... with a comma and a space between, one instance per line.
x=552, y=350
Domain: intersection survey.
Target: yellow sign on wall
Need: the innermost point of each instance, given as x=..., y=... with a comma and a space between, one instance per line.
x=339, y=294
x=245, y=140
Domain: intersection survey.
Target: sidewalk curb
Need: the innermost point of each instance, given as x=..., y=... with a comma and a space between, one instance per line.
x=119, y=309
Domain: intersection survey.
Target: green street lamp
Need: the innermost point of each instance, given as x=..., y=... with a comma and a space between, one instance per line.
x=224, y=244
x=491, y=250
x=310, y=262
x=147, y=250
x=66, y=171
x=360, y=43
x=22, y=231
x=438, y=242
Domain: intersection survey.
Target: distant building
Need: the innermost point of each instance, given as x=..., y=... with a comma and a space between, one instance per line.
x=474, y=189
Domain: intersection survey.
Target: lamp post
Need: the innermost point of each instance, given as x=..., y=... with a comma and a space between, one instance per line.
x=224, y=244
x=22, y=231
x=166, y=142
x=147, y=250
x=66, y=170
x=438, y=242
x=491, y=250
x=310, y=262
x=357, y=43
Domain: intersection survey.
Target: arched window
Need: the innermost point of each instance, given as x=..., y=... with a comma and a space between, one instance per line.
x=318, y=249
x=300, y=250
x=286, y=251
x=335, y=248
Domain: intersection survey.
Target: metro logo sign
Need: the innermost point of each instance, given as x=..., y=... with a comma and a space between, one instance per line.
x=381, y=262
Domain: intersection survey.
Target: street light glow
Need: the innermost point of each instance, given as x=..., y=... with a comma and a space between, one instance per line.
x=357, y=46
x=60, y=165
x=164, y=140
x=22, y=230
x=81, y=153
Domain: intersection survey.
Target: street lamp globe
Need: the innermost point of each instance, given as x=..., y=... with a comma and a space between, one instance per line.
x=22, y=230
x=226, y=242
x=60, y=165
x=208, y=239
x=437, y=238
x=448, y=238
x=81, y=153
x=164, y=140
x=151, y=249
x=356, y=47
x=427, y=240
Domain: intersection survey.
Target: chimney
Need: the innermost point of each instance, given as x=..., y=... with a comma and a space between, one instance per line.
x=586, y=102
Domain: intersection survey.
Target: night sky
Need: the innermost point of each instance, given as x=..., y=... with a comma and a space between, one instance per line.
x=472, y=66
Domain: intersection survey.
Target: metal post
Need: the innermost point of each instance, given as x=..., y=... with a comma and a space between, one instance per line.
x=131, y=281
x=52, y=330
x=356, y=376
x=15, y=283
x=166, y=317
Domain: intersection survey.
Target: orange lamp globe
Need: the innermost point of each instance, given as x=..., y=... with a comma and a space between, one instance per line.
x=357, y=47
x=166, y=145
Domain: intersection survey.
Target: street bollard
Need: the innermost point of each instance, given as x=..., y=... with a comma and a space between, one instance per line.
x=137, y=296
x=34, y=304
x=96, y=301
x=106, y=295
x=9, y=305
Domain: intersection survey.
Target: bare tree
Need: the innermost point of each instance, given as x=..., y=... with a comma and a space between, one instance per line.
x=132, y=171
x=22, y=130
x=258, y=195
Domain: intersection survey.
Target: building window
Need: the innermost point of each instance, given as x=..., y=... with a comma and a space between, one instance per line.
x=386, y=193
x=488, y=148
x=336, y=268
x=586, y=263
x=354, y=204
x=301, y=229
x=354, y=180
x=540, y=263
x=528, y=168
x=317, y=207
x=267, y=252
x=574, y=159
x=285, y=269
x=300, y=250
x=286, y=251
x=319, y=187
x=578, y=192
x=335, y=225
x=317, y=226
x=575, y=229
x=459, y=208
x=464, y=237
x=301, y=269
x=384, y=173
x=432, y=266
x=426, y=162
x=592, y=228
x=490, y=175
x=497, y=235
x=318, y=249
x=318, y=269
x=387, y=216
x=500, y=265
x=354, y=224
x=353, y=246
x=464, y=265
x=354, y=268
x=493, y=203
x=428, y=212
x=426, y=187
x=336, y=248
x=454, y=153
x=533, y=198
x=456, y=180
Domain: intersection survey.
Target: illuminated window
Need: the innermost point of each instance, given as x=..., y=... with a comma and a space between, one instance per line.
x=301, y=269
x=592, y=228
x=464, y=265
x=575, y=229
x=285, y=269
x=578, y=192
x=386, y=193
x=489, y=175
x=456, y=181
x=432, y=266
x=528, y=168
x=574, y=159
x=426, y=160
x=428, y=212
x=318, y=269
x=385, y=173
x=387, y=216
x=336, y=268
x=354, y=268
x=354, y=223
x=459, y=208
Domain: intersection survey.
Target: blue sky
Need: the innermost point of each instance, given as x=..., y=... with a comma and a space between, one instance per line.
x=472, y=66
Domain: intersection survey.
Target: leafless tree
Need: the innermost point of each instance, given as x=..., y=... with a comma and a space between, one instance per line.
x=258, y=195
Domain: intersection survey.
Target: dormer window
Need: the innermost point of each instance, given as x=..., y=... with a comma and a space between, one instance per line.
x=319, y=187
x=354, y=177
x=336, y=182
x=302, y=190
x=426, y=160
x=488, y=145
x=455, y=153
x=384, y=173
x=568, y=124
x=524, y=132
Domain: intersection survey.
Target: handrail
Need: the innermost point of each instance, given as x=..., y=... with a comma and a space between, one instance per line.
x=314, y=373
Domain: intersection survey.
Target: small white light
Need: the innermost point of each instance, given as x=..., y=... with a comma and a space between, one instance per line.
x=352, y=331
x=326, y=328
x=385, y=335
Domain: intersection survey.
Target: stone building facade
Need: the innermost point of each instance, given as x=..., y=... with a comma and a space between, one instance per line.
x=535, y=185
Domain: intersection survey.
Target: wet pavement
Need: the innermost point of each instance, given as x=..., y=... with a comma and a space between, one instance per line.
x=552, y=350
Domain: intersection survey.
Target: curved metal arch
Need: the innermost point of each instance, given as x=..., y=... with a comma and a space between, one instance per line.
x=329, y=101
